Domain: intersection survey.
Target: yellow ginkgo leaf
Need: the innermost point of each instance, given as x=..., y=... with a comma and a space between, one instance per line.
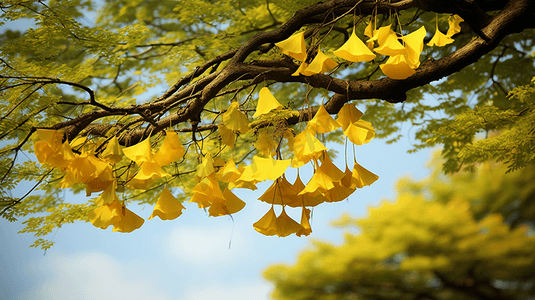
x=42, y=151
x=129, y=222
x=305, y=223
x=414, y=43
x=218, y=163
x=381, y=35
x=266, y=103
x=360, y=132
x=302, y=70
x=331, y=169
x=368, y=31
x=101, y=182
x=267, y=225
x=322, y=122
x=287, y=225
x=140, y=152
x=306, y=199
x=348, y=177
x=391, y=46
x=264, y=169
x=397, y=67
x=109, y=195
x=233, y=204
x=64, y=157
x=230, y=205
x=57, y=156
x=206, y=192
x=227, y=136
x=348, y=114
x=324, y=178
x=229, y=172
x=454, y=25
x=83, y=168
x=319, y=183
x=306, y=147
x=288, y=135
x=281, y=192
x=265, y=144
x=150, y=170
x=440, y=39
x=106, y=215
x=354, y=50
x=294, y=46
x=321, y=64
x=171, y=149
x=147, y=175
x=202, y=200
x=167, y=207
x=68, y=180
x=113, y=153
x=205, y=168
x=234, y=119
x=52, y=137
x=339, y=192
x=240, y=184
x=362, y=177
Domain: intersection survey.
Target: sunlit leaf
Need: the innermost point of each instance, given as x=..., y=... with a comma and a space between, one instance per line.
x=129, y=221
x=294, y=46
x=227, y=136
x=234, y=119
x=112, y=153
x=171, y=149
x=362, y=177
x=264, y=169
x=266, y=103
x=167, y=207
x=397, y=67
x=305, y=223
x=321, y=64
x=106, y=215
x=322, y=122
x=140, y=152
x=231, y=204
x=348, y=114
x=354, y=50
x=267, y=225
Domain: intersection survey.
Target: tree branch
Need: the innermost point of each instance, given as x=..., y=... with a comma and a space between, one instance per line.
x=191, y=97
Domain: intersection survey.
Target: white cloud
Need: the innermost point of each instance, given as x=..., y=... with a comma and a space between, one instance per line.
x=92, y=276
x=207, y=246
x=241, y=290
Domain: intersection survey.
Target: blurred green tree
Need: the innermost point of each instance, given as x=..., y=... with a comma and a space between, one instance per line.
x=463, y=236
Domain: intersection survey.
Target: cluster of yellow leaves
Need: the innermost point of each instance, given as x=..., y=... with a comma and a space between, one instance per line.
x=96, y=173
x=404, y=52
x=215, y=177
x=328, y=183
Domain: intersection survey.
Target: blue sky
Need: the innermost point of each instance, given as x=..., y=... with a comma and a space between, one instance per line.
x=190, y=257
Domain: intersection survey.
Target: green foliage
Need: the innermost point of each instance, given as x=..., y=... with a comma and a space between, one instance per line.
x=488, y=189
x=445, y=237
x=509, y=133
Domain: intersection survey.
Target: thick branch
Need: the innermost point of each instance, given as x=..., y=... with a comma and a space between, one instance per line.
x=192, y=97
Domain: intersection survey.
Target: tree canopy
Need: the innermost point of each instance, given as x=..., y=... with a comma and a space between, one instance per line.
x=160, y=102
x=463, y=236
